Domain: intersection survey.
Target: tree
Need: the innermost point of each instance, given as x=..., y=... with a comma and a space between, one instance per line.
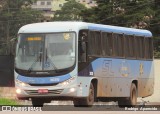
x=14, y=14
x=141, y=14
x=118, y=12
x=69, y=12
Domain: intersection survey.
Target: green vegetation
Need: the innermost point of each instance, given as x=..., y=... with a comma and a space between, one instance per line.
x=4, y=101
x=14, y=14
x=142, y=14
x=69, y=12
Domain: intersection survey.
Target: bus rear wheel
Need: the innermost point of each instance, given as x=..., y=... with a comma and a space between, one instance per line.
x=132, y=100
x=88, y=101
x=133, y=95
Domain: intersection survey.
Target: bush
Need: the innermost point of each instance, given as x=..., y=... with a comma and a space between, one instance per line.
x=4, y=101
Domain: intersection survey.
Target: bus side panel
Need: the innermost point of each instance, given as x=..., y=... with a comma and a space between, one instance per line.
x=112, y=76
x=146, y=87
x=146, y=78
x=126, y=73
x=110, y=88
x=83, y=84
x=116, y=75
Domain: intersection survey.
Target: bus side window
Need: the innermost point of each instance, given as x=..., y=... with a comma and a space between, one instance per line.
x=82, y=46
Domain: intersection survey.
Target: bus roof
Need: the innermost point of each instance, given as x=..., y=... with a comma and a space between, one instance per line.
x=49, y=27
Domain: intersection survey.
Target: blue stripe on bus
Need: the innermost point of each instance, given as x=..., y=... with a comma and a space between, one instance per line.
x=121, y=30
x=43, y=80
x=118, y=67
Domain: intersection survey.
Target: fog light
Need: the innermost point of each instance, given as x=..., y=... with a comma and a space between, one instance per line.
x=18, y=91
x=72, y=89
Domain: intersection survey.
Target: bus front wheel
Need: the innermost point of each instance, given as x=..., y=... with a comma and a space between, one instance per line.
x=88, y=101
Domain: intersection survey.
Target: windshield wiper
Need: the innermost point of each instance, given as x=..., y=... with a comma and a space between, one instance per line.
x=35, y=61
x=52, y=63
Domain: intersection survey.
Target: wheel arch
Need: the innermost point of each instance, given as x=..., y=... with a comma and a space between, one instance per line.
x=94, y=81
x=136, y=84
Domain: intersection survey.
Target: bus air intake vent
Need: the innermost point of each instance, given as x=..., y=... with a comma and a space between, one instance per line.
x=50, y=92
x=43, y=84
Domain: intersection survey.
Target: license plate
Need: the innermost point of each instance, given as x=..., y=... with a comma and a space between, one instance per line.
x=43, y=91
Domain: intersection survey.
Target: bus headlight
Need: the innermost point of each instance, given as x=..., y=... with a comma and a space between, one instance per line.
x=21, y=83
x=67, y=81
x=18, y=91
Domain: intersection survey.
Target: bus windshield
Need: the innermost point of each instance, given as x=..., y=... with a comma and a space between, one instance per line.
x=45, y=52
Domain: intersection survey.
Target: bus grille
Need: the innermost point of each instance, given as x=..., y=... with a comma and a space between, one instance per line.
x=50, y=92
x=43, y=84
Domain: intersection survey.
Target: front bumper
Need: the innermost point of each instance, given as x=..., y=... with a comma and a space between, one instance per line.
x=29, y=92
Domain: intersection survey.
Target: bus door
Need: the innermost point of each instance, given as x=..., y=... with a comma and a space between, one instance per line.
x=83, y=64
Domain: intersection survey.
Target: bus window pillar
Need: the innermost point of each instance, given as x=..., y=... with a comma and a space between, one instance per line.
x=82, y=51
x=82, y=46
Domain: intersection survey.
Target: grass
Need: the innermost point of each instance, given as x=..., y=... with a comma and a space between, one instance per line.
x=4, y=101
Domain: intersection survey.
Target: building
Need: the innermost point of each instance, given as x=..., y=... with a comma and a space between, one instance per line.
x=57, y=4
x=88, y=3
x=50, y=6
x=45, y=6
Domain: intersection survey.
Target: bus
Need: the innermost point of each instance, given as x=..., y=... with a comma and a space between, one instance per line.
x=83, y=62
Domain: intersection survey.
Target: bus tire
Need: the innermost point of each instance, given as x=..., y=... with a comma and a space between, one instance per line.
x=88, y=101
x=77, y=102
x=130, y=101
x=37, y=102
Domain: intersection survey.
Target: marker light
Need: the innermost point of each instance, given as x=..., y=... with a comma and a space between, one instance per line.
x=18, y=91
x=21, y=83
x=67, y=81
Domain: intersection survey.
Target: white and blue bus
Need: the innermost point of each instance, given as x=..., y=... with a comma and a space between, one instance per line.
x=83, y=62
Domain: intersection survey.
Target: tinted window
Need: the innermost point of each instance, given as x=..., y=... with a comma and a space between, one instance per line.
x=129, y=46
x=148, y=48
x=95, y=43
x=120, y=45
x=140, y=47
x=107, y=44
x=118, y=42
